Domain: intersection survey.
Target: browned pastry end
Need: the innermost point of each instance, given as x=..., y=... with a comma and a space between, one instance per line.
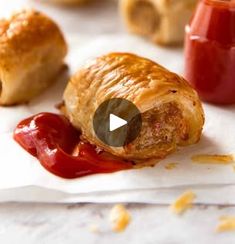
x=69, y=2
x=163, y=21
x=172, y=113
x=32, y=51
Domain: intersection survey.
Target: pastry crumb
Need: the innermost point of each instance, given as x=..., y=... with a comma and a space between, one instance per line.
x=94, y=228
x=170, y=166
x=233, y=166
x=226, y=223
x=120, y=218
x=213, y=159
x=183, y=202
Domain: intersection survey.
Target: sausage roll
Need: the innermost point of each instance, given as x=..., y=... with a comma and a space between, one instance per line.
x=163, y=21
x=171, y=111
x=32, y=50
x=69, y=2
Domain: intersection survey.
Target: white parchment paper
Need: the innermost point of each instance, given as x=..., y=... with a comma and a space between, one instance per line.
x=23, y=179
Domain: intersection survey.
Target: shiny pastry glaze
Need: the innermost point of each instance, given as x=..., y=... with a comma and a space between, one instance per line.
x=57, y=145
x=32, y=50
x=152, y=88
x=26, y=29
x=210, y=51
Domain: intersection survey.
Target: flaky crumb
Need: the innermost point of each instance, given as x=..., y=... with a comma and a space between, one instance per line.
x=119, y=217
x=233, y=166
x=226, y=223
x=170, y=166
x=213, y=159
x=183, y=202
x=93, y=228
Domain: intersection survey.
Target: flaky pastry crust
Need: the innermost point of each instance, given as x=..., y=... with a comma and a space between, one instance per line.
x=32, y=50
x=69, y=2
x=163, y=21
x=171, y=111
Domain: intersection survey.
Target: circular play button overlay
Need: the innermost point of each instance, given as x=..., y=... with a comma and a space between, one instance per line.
x=117, y=122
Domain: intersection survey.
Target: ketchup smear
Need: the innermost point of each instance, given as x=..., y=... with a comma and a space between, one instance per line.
x=57, y=145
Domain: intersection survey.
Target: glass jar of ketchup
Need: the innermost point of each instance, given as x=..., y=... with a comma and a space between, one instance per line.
x=210, y=51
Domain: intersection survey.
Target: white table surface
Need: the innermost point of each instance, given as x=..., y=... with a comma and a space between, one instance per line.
x=56, y=223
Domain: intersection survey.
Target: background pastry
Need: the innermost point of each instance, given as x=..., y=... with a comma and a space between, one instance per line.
x=32, y=50
x=69, y=2
x=161, y=20
x=171, y=111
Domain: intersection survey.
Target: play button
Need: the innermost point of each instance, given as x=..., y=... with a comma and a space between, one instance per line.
x=117, y=122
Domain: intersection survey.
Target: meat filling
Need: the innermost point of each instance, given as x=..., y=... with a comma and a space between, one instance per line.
x=162, y=129
x=145, y=17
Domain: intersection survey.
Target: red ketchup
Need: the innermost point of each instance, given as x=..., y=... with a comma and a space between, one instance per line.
x=56, y=143
x=210, y=51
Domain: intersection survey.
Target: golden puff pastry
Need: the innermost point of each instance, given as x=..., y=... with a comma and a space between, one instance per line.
x=163, y=21
x=69, y=2
x=171, y=111
x=32, y=50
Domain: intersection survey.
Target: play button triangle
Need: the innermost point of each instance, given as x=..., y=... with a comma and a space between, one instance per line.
x=115, y=122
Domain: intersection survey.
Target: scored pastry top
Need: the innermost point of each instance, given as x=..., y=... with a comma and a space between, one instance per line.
x=163, y=98
x=128, y=76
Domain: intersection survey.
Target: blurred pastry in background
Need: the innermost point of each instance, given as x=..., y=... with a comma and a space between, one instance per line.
x=32, y=51
x=163, y=21
x=69, y=2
